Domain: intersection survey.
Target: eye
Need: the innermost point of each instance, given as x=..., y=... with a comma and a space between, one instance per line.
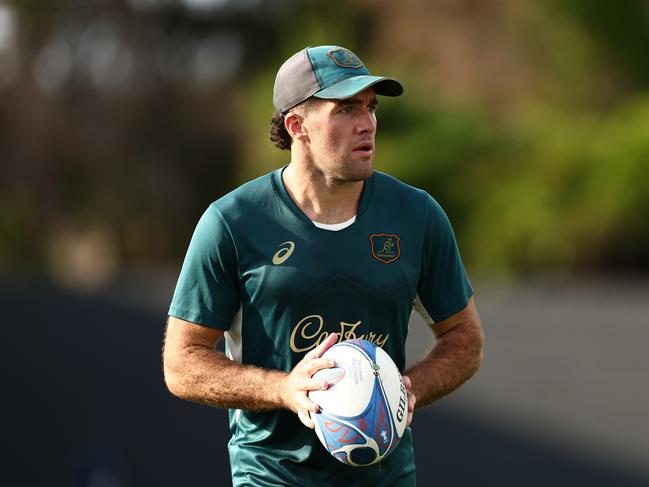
x=372, y=107
x=347, y=109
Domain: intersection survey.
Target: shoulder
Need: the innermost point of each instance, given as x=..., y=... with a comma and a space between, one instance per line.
x=256, y=193
x=390, y=188
x=249, y=192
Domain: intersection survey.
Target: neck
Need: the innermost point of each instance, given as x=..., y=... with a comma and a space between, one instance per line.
x=321, y=198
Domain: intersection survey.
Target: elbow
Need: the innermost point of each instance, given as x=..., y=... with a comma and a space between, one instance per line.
x=479, y=340
x=479, y=359
x=172, y=376
x=174, y=386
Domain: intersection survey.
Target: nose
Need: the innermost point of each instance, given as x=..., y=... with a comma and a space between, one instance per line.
x=367, y=121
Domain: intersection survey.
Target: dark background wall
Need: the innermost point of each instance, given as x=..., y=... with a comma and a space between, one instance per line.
x=85, y=403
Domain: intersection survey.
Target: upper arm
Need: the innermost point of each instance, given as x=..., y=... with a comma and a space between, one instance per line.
x=182, y=334
x=443, y=288
x=181, y=337
x=467, y=319
x=187, y=347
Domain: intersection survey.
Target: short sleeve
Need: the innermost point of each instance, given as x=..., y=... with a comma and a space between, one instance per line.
x=444, y=288
x=207, y=291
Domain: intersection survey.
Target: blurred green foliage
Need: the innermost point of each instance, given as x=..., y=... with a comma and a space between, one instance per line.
x=572, y=196
x=621, y=30
x=534, y=135
x=549, y=190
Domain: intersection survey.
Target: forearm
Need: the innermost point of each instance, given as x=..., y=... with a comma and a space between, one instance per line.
x=206, y=376
x=456, y=356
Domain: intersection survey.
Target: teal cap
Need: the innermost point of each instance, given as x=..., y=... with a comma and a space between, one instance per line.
x=329, y=72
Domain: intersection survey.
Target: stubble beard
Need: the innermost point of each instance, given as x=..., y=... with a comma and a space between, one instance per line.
x=360, y=174
x=352, y=170
x=350, y=174
x=342, y=167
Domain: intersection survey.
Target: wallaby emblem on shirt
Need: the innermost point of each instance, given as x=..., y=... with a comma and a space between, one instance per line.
x=385, y=247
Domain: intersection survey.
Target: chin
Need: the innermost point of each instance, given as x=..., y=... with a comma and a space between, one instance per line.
x=357, y=175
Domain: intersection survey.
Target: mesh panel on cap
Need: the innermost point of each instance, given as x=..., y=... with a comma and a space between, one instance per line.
x=295, y=82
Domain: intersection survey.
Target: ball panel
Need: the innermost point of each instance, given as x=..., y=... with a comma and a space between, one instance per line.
x=368, y=347
x=337, y=432
x=377, y=420
x=395, y=390
x=362, y=456
x=341, y=456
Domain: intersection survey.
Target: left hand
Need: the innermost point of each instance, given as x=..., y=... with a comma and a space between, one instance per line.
x=412, y=400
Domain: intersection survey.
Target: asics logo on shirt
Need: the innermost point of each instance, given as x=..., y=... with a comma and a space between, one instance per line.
x=285, y=251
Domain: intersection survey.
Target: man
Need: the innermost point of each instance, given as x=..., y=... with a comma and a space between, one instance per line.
x=321, y=250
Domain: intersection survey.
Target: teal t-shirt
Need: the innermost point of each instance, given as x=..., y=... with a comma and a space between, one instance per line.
x=258, y=268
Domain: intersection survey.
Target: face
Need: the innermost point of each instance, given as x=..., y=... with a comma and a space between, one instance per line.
x=340, y=136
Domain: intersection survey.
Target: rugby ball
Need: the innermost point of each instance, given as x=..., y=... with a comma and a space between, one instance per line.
x=364, y=411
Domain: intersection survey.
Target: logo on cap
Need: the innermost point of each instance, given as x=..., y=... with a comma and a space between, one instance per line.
x=345, y=58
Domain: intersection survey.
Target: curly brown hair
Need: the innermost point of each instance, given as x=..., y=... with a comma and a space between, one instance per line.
x=278, y=134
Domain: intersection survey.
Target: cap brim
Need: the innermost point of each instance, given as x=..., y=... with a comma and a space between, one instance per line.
x=354, y=85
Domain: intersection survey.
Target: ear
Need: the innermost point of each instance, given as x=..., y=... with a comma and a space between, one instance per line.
x=294, y=124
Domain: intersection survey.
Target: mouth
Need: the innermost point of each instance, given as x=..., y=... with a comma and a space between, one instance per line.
x=364, y=149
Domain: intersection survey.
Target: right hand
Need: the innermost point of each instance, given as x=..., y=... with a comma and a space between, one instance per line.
x=299, y=381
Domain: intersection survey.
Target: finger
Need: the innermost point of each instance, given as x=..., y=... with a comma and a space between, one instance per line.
x=312, y=366
x=306, y=419
x=316, y=385
x=320, y=349
x=412, y=401
x=407, y=382
x=304, y=403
